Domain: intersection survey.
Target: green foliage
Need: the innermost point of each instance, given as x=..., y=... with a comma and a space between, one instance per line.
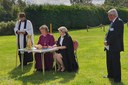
x=6, y=28
x=123, y=13
x=5, y=15
x=73, y=17
x=2, y=13
x=117, y=3
x=10, y=8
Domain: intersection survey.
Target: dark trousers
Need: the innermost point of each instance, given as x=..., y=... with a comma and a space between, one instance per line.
x=28, y=57
x=114, y=65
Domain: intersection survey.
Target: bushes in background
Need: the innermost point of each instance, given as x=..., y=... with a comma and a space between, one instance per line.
x=7, y=28
x=73, y=17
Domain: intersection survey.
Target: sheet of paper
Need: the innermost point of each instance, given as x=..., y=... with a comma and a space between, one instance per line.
x=107, y=47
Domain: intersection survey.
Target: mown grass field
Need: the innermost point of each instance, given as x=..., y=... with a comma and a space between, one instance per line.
x=91, y=57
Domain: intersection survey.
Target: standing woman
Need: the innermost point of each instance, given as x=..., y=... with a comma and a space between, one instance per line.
x=65, y=55
x=45, y=40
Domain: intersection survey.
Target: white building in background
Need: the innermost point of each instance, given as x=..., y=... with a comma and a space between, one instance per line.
x=58, y=2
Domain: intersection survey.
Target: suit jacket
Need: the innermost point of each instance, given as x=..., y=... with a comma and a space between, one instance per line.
x=114, y=37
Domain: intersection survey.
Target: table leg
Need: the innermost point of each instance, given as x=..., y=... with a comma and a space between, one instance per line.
x=16, y=59
x=55, y=64
x=22, y=60
x=43, y=62
x=54, y=61
x=34, y=61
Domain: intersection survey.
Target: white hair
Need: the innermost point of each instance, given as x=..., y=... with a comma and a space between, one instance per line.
x=113, y=12
x=44, y=27
x=63, y=29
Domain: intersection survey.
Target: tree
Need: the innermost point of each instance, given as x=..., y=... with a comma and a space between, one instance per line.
x=117, y=3
x=21, y=4
x=125, y=3
x=11, y=8
x=6, y=4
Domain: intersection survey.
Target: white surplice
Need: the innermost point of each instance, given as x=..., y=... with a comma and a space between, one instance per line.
x=29, y=30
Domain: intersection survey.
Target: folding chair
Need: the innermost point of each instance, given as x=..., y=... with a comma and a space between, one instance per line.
x=75, y=43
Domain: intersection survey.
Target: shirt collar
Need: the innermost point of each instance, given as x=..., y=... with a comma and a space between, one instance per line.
x=114, y=20
x=63, y=36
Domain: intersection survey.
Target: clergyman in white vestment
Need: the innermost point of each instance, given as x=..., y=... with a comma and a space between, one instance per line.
x=23, y=28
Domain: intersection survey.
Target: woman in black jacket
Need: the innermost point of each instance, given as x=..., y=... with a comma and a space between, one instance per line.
x=65, y=55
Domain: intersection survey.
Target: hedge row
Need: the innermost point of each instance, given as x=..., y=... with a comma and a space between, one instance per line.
x=8, y=15
x=7, y=28
x=73, y=17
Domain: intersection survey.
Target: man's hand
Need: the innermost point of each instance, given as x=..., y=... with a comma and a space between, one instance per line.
x=105, y=43
x=18, y=32
x=23, y=32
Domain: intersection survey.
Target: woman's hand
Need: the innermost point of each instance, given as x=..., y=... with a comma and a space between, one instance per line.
x=55, y=45
x=61, y=47
x=38, y=46
x=50, y=47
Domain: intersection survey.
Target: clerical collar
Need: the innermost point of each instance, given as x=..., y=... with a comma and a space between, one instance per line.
x=23, y=20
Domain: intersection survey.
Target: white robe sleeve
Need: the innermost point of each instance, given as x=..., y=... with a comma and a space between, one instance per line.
x=16, y=27
x=29, y=30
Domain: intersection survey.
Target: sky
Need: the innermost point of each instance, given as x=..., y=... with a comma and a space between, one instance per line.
x=65, y=2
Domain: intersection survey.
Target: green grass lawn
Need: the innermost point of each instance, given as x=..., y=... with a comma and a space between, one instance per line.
x=91, y=57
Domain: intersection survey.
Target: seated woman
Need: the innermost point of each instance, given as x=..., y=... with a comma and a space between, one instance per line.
x=65, y=55
x=45, y=40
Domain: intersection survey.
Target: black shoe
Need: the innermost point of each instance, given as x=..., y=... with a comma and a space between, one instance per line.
x=24, y=64
x=117, y=81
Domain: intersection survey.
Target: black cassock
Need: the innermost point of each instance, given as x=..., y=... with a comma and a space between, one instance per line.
x=28, y=57
x=68, y=54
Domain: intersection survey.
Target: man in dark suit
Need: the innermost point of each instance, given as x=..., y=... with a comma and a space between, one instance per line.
x=114, y=45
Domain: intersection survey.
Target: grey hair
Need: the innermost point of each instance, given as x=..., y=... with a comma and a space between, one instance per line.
x=44, y=27
x=113, y=12
x=63, y=29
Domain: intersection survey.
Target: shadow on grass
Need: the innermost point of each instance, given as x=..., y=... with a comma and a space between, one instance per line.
x=114, y=83
x=16, y=72
x=38, y=78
